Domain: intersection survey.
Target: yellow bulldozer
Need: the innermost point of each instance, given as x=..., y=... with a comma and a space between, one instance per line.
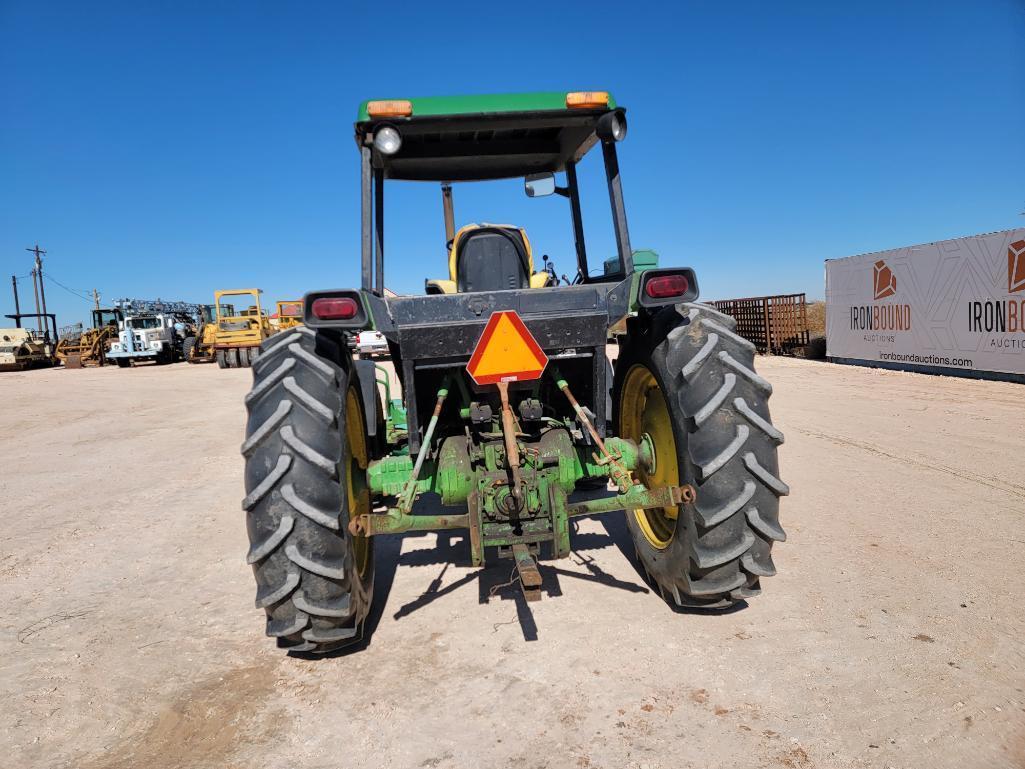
x=229, y=337
x=289, y=314
x=89, y=347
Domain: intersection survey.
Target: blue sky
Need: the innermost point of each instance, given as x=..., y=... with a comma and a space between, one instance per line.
x=168, y=149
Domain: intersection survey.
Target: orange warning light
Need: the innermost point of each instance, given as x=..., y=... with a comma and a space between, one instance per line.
x=587, y=99
x=506, y=352
x=390, y=108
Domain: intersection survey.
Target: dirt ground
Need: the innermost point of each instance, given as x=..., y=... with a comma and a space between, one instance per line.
x=891, y=637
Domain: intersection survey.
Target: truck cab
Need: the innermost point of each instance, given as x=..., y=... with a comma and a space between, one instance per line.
x=153, y=337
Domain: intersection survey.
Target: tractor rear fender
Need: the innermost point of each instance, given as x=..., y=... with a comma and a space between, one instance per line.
x=365, y=373
x=328, y=310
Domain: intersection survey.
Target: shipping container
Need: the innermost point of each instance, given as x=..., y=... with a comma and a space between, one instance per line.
x=954, y=307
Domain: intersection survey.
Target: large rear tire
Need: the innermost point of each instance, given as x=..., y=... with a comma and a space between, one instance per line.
x=688, y=382
x=306, y=457
x=187, y=347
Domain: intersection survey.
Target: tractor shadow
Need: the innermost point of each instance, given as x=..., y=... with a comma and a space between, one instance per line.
x=617, y=531
x=498, y=581
x=386, y=560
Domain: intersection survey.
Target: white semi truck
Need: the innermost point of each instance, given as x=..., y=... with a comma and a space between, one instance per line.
x=152, y=337
x=152, y=330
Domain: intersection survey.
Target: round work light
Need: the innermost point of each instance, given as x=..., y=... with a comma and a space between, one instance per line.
x=387, y=140
x=612, y=126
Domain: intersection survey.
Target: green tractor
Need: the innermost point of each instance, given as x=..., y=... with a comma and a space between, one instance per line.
x=511, y=413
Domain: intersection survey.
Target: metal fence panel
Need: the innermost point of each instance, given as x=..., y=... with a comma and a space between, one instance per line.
x=774, y=324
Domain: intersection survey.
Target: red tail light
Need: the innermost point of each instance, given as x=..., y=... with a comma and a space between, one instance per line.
x=335, y=308
x=665, y=286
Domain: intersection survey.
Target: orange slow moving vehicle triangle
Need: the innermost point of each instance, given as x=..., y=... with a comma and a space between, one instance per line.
x=506, y=352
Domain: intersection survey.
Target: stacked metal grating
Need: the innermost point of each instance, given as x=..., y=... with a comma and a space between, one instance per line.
x=777, y=325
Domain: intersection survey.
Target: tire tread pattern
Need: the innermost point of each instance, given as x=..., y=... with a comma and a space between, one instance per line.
x=301, y=552
x=723, y=543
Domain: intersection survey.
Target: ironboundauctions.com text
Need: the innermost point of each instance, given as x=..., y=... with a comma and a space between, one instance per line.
x=926, y=360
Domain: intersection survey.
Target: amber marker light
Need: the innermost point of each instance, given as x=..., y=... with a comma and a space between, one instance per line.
x=390, y=108
x=587, y=99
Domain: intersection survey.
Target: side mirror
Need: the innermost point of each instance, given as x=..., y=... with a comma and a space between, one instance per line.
x=539, y=185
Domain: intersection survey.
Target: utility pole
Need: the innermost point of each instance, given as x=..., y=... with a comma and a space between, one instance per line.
x=35, y=290
x=96, y=298
x=17, y=304
x=37, y=273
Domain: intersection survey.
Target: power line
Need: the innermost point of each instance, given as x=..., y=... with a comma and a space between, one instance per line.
x=73, y=291
x=76, y=290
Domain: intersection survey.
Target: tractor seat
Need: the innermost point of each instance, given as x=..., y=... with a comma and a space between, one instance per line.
x=489, y=257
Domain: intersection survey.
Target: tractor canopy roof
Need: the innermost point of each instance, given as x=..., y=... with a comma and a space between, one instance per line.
x=465, y=138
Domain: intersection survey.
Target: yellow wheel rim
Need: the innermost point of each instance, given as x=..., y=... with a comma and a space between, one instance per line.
x=643, y=411
x=357, y=493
